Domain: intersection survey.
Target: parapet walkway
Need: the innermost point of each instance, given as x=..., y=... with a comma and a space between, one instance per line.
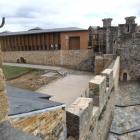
x=67, y=89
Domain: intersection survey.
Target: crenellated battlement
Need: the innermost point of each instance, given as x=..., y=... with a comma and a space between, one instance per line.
x=86, y=116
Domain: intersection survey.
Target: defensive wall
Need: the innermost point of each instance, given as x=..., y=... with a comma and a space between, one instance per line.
x=78, y=59
x=89, y=118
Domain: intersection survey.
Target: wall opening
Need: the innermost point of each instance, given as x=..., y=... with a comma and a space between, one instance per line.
x=21, y=60
x=128, y=29
x=124, y=76
x=30, y=48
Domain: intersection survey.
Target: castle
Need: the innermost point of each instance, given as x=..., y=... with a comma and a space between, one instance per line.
x=113, y=53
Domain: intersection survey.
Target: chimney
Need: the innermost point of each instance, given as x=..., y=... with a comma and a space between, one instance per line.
x=107, y=22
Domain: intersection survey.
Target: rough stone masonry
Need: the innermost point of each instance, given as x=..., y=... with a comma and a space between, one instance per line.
x=4, y=105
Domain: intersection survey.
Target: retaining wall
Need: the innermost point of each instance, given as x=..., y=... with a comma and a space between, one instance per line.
x=79, y=59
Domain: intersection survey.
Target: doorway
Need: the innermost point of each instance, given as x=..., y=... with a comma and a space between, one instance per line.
x=124, y=76
x=21, y=59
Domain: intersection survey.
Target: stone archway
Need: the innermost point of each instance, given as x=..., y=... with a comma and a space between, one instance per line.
x=125, y=76
x=21, y=60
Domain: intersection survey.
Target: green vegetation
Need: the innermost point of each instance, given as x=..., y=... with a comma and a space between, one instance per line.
x=12, y=71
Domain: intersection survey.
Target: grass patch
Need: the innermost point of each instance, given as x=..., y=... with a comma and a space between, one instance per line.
x=12, y=71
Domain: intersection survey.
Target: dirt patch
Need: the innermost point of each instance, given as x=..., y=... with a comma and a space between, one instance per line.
x=33, y=80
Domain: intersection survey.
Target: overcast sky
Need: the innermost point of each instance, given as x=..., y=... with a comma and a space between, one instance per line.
x=26, y=14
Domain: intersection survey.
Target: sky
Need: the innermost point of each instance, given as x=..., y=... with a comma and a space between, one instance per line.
x=22, y=15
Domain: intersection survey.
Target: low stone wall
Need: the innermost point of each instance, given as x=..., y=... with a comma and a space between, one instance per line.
x=79, y=59
x=90, y=118
x=47, y=125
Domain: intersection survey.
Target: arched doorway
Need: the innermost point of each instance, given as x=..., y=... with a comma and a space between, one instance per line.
x=21, y=59
x=124, y=76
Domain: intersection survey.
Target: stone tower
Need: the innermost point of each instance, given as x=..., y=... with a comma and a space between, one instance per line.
x=107, y=22
x=130, y=20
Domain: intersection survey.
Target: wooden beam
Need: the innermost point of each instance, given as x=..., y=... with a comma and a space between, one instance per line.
x=15, y=42
x=48, y=39
x=5, y=43
x=34, y=41
x=12, y=43
x=39, y=41
x=30, y=41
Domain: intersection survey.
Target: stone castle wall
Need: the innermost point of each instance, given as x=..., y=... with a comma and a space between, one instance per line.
x=128, y=47
x=90, y=118
x=130, y=58
x=79, y=59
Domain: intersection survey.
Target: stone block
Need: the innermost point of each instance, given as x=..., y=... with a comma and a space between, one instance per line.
x=2, y=81
x=109, y=79
x=79, y=115
x=97, y=91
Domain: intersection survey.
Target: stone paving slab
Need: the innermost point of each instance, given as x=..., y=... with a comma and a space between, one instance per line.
x=126, y=121
x=129, y=94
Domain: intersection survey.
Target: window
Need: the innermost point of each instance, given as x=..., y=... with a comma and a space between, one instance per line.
x=128, y=28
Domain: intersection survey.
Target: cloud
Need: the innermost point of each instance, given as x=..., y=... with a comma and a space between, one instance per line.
x=23, y=15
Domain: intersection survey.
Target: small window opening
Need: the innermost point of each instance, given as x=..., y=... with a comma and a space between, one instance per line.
x=42, y=47
x=46, y=47
x=22, y=49
x=55, y=47
x=29, y=48
x=34, y=47
x=59, y=46
x=25, y=48
x=18, y=48
x=37, y=47
x=128, y=28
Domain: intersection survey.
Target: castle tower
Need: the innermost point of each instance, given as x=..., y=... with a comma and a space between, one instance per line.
x=107, y=22
x=130, y=20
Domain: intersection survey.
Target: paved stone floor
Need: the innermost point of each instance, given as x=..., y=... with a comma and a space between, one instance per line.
x=67, y=89
x=126, y=122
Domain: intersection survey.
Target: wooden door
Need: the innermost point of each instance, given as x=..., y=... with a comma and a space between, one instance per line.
x=74, y=43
